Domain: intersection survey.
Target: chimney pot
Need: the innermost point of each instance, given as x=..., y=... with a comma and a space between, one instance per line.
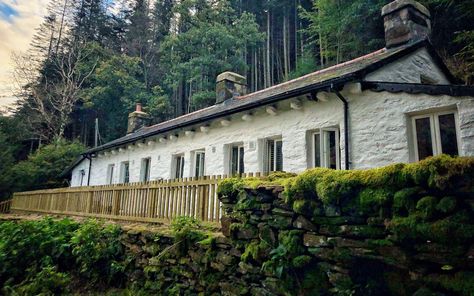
x=137, y=119
x=405, y=21
x=229, y=85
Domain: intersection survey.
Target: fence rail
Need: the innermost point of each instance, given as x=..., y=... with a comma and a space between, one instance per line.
x=5, y=206
x=144, y=202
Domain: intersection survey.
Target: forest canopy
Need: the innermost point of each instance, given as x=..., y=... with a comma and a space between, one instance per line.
x=95, y=59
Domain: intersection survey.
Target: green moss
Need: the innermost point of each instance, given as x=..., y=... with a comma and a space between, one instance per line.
x=450, y=230
x=247, y=203
x=305, y=207
x=404, y=200
x=371, y=200
x=301, y=261
x=427, y=206
x=230, y=188
x=256, y=250
x=447, y=204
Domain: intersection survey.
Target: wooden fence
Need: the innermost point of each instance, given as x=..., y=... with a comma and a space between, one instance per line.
x=144, y=202
x=5, y=206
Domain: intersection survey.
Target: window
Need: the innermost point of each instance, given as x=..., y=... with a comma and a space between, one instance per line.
x=125, y=172
x=82, y=174
x=434, y=134
x=110, y=174
x=199, y=157
x=179, y=166
x=145, y=170
x=274, y=155
x=325, y=148
x=236, y=159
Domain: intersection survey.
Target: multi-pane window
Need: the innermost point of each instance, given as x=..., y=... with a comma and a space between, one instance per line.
x=434, y=134
x=125, y=172
x=145, y=170
x=199, y=157
x=274, y=155
x=179, y=166
x=325, y=150
x=110, y=174
x=237, y=159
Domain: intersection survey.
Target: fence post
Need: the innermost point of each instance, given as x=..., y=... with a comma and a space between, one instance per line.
x=117, y=201
x=89, y=201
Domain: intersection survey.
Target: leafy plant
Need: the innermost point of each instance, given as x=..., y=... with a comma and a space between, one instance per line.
x=98, y=251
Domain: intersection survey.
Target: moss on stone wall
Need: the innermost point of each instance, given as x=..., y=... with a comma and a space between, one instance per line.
x=398, y=230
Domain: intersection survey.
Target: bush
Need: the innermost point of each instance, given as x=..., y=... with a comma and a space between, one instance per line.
x=42, y=257
x=97, y=251
x=43, y=168
x=30, y=244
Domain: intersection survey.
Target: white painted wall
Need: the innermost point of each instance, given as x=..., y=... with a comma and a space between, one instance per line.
x=409, y=69
x=379, y=132
x=380, y=125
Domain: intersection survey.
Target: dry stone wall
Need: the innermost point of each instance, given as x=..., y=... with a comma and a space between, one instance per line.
x=400, y=230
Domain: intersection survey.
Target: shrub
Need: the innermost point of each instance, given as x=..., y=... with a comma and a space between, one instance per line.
x=98, y=251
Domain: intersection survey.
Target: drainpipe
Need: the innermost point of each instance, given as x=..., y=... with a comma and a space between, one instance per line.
x=346, y=126
x=88, y=156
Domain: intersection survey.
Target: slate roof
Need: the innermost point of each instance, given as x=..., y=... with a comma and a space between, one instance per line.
x=333, y=76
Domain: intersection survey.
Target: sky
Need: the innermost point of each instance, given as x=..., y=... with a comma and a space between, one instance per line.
x=18, y=21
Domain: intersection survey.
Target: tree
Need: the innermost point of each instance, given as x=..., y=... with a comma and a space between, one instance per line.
x=53, y=97
x=43, y=168
x=115, y=87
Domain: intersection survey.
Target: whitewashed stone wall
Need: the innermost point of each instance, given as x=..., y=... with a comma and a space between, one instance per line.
x=409, y=69
x=291, y=125
x=380, y=134
x=380, y=125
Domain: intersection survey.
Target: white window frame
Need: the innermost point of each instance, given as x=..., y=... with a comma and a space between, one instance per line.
x=199, y=161
x=266, y=158
x=123, y=173
x=324, y=153
x=178, y=172
x=145, y=169
x=110, y=173
x=435, y=131
x=231, y=158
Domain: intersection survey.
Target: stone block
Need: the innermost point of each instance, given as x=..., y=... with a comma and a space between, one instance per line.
x=303, y=223
x=313, y=240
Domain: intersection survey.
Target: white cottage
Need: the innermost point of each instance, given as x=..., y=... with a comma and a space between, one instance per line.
x=397, y=104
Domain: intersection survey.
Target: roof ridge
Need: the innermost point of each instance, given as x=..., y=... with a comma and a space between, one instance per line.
x=379, y=51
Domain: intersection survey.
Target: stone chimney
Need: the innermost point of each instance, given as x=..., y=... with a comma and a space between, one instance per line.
x=405, y=21
x=229, y=85
x=137, y=119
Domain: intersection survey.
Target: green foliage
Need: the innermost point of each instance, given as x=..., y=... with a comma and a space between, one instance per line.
x=115, y=87
x=282, y=257
x=97, y=251
x=48, y=281
x=43, y=257
x=50, y=241
x=43, y=168
x=256, y=251
x=187, y=231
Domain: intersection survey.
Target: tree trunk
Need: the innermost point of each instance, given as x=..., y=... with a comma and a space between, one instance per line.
x=268, y=71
